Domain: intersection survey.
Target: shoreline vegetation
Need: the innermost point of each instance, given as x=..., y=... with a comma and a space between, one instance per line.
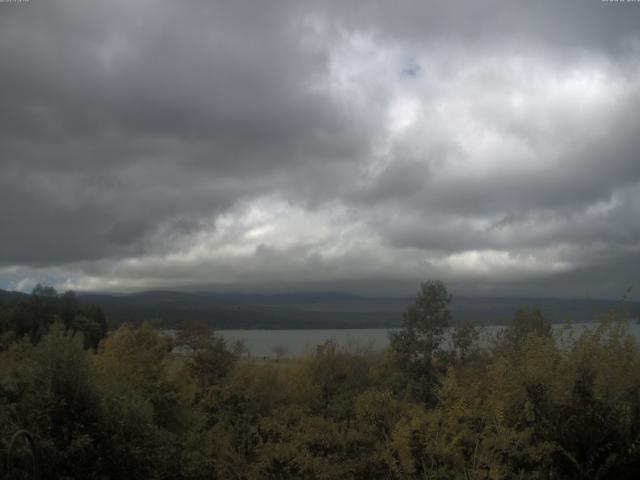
x=531, y=404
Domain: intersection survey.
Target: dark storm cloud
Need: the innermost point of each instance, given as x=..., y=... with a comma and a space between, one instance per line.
x=565, y=27
x=195, y=144
x=115, y=119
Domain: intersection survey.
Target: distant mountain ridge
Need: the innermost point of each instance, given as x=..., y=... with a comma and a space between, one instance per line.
x=8, y=295
x=246, y=310
x=304, y=310
x=326, y=309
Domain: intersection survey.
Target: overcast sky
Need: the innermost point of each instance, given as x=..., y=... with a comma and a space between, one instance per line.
x=356, y=146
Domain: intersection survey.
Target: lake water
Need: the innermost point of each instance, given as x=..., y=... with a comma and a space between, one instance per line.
x=263, y=343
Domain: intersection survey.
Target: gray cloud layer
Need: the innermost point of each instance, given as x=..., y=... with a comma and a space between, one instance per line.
x=356, y=145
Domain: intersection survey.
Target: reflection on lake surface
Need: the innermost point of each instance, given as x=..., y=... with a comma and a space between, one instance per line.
x=263, y=343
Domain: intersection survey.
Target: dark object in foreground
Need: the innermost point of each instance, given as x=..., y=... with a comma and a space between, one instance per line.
x=15, y=454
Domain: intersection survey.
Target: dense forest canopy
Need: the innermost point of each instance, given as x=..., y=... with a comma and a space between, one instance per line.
x=124, y=405
x=32, y=315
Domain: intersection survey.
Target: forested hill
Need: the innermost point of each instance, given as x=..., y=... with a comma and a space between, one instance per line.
x=323, y=309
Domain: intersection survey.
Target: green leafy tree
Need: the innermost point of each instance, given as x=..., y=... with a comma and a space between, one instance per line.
x=418, y=342
x=524, y=324
x=464, y=340
x=213, y=361
x=194, y=336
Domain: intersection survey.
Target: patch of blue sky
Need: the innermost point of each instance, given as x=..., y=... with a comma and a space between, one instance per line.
x=25, y=281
